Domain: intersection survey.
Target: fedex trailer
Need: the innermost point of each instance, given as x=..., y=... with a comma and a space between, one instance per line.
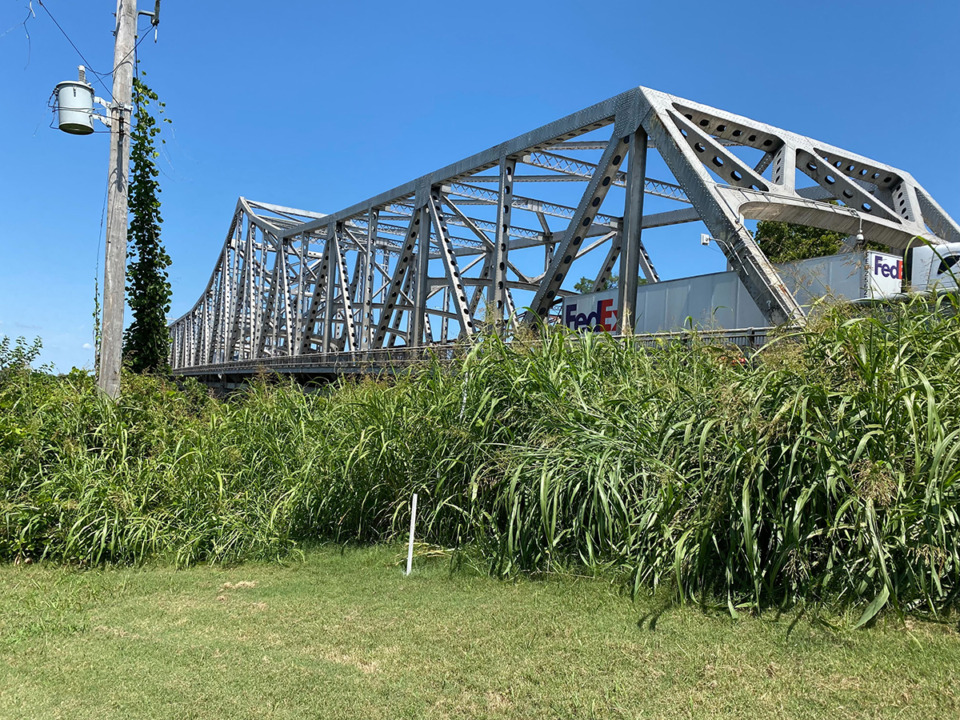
x=720, y=301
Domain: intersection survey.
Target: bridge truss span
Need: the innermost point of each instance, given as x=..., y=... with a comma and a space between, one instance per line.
x=502, y=236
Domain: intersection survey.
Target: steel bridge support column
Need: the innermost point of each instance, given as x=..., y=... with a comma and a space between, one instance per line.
x=632, y=249
x=285, y=288
x=451, y=270
x=301, y=299
x=217, y=294
x=252, y=306
x=499, y=298
x=348, y=289
x=418, y=317
x=191, y=340
x=332, y=266
x=366, y=320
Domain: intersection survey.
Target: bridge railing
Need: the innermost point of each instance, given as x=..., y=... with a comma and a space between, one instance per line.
x=393, y=359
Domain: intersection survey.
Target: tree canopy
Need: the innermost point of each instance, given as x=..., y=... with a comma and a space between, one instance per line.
x=585, y=285
x=783, y=242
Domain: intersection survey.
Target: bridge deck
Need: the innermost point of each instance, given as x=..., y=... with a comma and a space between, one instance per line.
x=327, y=366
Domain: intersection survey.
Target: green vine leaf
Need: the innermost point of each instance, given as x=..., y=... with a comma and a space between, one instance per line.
x=146, y=342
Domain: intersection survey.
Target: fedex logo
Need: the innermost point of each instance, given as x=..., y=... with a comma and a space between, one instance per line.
x=604, y=317
x=890, y=270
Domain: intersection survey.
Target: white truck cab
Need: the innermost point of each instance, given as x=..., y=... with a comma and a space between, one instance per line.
x=932, y=267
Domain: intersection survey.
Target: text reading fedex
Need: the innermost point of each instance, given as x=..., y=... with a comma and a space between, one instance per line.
x=603, y=317
x=890, y=270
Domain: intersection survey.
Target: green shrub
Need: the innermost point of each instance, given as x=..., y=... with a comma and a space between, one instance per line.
x=824, y=470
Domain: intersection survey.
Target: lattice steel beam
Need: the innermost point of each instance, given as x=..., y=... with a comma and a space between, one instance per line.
x=286, y=278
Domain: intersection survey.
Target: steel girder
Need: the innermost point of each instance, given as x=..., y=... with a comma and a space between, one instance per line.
x=448, y=254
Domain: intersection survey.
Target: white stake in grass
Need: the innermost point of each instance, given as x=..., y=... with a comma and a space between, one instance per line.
x=413, y=522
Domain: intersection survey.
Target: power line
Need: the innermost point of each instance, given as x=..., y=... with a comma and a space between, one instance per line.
x=30, y=14
x=136, y=59
x=99, y=76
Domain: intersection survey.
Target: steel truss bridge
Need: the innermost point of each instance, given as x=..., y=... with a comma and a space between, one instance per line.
x=500, y=237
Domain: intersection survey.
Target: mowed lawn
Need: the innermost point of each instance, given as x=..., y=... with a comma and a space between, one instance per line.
x=345, y=635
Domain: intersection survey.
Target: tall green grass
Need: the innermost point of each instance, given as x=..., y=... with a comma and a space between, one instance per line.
x=825, y=470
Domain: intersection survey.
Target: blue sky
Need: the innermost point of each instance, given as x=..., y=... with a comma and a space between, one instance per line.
x=320, y=105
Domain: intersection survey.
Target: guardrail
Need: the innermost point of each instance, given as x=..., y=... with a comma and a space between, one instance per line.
x=373, y=361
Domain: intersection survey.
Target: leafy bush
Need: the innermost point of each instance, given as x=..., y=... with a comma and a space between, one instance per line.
x=824, y=470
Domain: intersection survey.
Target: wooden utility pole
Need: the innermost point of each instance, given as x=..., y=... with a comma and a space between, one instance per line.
x=115, y=265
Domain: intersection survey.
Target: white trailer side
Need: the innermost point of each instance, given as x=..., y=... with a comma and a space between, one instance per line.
x=720, y=301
